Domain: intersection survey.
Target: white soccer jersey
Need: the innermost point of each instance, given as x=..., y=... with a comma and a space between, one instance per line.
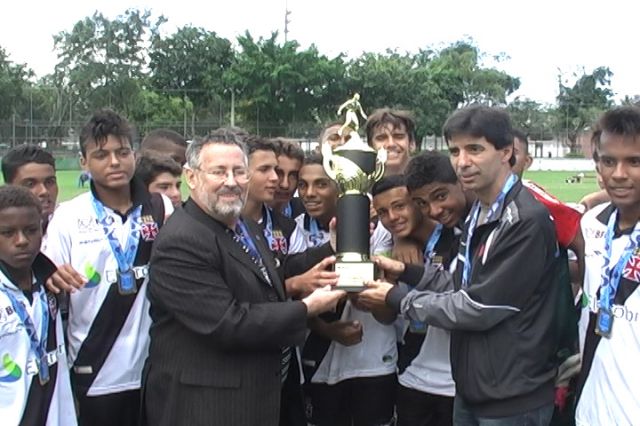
x=76, y=238
x=19, y=371
x=377, y=353
x=611, y=392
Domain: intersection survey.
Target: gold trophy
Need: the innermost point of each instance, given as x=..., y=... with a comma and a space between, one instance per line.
x=355, y=167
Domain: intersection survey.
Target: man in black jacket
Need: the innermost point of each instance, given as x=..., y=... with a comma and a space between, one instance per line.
x=499, y=301
x=222, y=326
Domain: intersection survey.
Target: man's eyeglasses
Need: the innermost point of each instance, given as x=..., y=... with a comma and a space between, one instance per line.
x=240, y=175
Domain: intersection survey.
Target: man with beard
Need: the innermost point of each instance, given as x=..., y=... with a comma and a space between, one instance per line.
x=222, y=327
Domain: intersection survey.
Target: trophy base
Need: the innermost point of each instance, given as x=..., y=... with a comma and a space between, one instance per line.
x=354, y=274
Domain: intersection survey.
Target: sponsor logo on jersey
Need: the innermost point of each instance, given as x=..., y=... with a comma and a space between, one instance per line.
x=11, y=371
x=93, y=277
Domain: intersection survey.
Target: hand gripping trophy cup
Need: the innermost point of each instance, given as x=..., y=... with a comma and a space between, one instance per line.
x=355, y=167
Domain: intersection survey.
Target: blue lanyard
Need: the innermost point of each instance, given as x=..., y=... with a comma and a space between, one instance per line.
x=316, y=236
x=473, y=221
x=268, y=226
x=288, y=210
x=244, y=238
x=611, y=274
x=38, y=346
x=124, y=256
x=431, y=244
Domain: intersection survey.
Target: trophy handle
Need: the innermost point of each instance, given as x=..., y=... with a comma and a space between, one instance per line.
x=381, y=158
x=327, y=163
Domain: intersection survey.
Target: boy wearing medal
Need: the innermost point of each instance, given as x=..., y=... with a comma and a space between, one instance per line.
x=426, y=389
x=34, y=381
x=106, y=234
x=609, y=385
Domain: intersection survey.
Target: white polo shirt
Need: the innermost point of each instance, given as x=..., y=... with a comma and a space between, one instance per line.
x=75, y=237
x=19, y=369
x=611, y=391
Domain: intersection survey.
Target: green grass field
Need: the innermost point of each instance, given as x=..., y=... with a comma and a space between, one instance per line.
x=553, y=182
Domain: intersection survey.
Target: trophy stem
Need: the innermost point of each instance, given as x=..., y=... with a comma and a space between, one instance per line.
x=353, y=224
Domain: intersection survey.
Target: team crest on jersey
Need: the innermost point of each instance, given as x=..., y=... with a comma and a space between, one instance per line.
x=279, y=242
x=631, y=270
x=53, y=305
x=149, y=229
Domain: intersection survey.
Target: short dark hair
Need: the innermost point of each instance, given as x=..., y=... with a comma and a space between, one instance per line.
x=395, y=118
x=240, y=133
x=101, y=125
x=150, y=164
x=256, y=143
x=313, y=158
x=18, y=196
x=429, y=167
x=481, y=121
x=387, y=183
x=158, y=135
x=621, y=121
x=522, y=137
x=288, y=149
x=21, y=155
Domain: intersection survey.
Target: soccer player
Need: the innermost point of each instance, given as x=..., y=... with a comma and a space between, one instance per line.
x=161, y=174
x=165, y=141
x=394, y=131
x=290, y=159
x=425, y=394
x=34, y=382
x=34, y=168
x=502, y=287
x=107, y=234
x=609, y=386
x=349, y=364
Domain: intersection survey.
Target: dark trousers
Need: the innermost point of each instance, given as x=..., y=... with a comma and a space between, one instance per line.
x=122, y=409
x=416, y=408
x=463, y=416
x=291, y=399
x=362, y=401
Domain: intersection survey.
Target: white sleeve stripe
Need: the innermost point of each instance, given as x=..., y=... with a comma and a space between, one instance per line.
x=481, y=306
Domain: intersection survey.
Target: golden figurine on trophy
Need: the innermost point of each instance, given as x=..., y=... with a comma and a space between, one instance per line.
x=355, y=167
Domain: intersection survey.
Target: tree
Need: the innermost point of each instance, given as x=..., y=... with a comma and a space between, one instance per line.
x=191, y=62
x=103, y=62
x=580, y=105
x=14, y=86
x=279, y=84
x=460, y=75
x=532, y=118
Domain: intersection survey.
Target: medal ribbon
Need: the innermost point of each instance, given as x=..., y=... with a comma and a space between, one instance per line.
x=38, y=346
x=473, y=221
x=611, y=274
x=316, y=236
x=431, y=244
x=243, y=236
x=124, y=256
x=288, y=210
x=268, y=226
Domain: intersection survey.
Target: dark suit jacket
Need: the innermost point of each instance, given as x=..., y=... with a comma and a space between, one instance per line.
x=218, y=327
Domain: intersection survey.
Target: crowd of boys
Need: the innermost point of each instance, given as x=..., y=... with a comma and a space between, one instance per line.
x=497, y=304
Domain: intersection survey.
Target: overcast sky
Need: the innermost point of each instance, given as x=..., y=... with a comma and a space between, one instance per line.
x=539, y=37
